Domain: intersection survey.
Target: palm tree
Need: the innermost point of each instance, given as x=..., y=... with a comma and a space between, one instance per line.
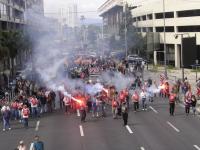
x=12, y=40
x=4, y=54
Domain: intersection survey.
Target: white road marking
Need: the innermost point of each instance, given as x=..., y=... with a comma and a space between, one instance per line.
x=177, y=130
x=129, y=129
x=78, y=113
x=81, y=130
x=37, y=126
x=197, y=147
x=153, y=109
x=142, y=148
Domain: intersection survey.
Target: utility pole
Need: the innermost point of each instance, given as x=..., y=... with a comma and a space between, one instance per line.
x=165, y=48
x=125, y=27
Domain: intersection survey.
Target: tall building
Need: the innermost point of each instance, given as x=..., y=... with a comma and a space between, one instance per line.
x=69, y=16
x=12, y=14
x=181, y=18
x=37, y=5
x=111, y=12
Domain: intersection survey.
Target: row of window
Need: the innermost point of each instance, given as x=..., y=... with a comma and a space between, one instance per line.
x=6, y=11
x=171, y=29
x=185, y=13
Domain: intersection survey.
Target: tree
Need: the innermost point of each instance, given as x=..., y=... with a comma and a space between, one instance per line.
x=12, y=40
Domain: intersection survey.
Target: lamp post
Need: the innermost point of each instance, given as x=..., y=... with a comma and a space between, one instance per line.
x=164, y=30
x=182, y=65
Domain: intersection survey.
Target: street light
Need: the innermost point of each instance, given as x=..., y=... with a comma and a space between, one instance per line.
x=182, y=65
x=164, y=30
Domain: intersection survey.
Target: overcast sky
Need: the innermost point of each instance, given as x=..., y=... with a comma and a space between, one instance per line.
x=52, y=6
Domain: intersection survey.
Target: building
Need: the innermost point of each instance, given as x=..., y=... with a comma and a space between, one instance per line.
x=38, y=5
x=182, y=17
x=112, y=13
x=12, y=14
x=69, y=16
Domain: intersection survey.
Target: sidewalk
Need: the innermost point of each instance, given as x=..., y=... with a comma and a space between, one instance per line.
x=173, y=75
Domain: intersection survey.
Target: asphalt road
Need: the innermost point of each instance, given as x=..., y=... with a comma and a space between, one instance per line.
x=153, y=129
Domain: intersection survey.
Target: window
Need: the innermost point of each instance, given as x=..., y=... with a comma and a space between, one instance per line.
x=150, y=29
x=189, y=28
x=144, y=18
x=167, y=15
x=188, y=13
x=138, y=18
x=167, y=29
x=144, y=29
x=134, y=19
x=149, y=17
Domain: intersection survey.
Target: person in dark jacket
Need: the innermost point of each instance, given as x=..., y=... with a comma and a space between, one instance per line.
x=125, y=113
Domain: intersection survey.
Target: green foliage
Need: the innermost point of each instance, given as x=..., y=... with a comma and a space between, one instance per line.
x=135, y=41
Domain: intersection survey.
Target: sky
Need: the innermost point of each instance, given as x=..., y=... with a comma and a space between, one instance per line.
x=52, y=7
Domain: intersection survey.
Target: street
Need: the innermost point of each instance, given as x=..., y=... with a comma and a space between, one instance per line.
x=153, y=129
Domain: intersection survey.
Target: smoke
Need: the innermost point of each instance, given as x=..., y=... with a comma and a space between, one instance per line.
x=48, y=59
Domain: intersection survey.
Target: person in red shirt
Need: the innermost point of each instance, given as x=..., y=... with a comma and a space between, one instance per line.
x=135, y=99
x=14, y=108
x=34, y=106
x=25, y=115
x=172, y=99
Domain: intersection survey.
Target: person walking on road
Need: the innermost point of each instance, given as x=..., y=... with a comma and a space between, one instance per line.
x=135, y=99
x=83, y=111
x=114, y=108
x=172, y=99
x=143, y=96
x=125, y=113
x=188, y=100
x=25, y=115
x=6, y=113
x=21, y=146
x=193, y=104
x=37, y=144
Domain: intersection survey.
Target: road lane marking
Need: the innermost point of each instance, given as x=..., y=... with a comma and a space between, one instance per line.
x=197, y=147
x=37, y=126
x=78, y=113
x=129, y=129
x=142, y=148
x=153, y=109
x=81, y=130
x=170, y=124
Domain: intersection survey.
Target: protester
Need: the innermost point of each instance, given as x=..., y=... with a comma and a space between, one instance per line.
x=193, y=103
x=188, y=100
x=143, y=96
x=37, y=144
x=21, y=146
x=172, y=99
x=135, y=99
x=6, y=113
x=25, y=115
x=125, y=113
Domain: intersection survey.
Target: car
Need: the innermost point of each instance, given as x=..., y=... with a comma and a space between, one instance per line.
x=132, y=57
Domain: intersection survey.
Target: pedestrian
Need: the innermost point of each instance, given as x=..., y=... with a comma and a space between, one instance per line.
x=6, y=114
x=143, y=96
x=67, y=102
x=188, y=100
x=135, y=99
x=193, y=104
x=114, y=108
x=34, y=106
x=125, y=113
x=37, y=144
x=83, y=111
x=25, y=115
x=172, y=99
x=21, y=146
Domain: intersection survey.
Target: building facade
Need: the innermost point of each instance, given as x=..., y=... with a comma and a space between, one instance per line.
x=69, y=16
x=12, y=14
x=181, y=17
